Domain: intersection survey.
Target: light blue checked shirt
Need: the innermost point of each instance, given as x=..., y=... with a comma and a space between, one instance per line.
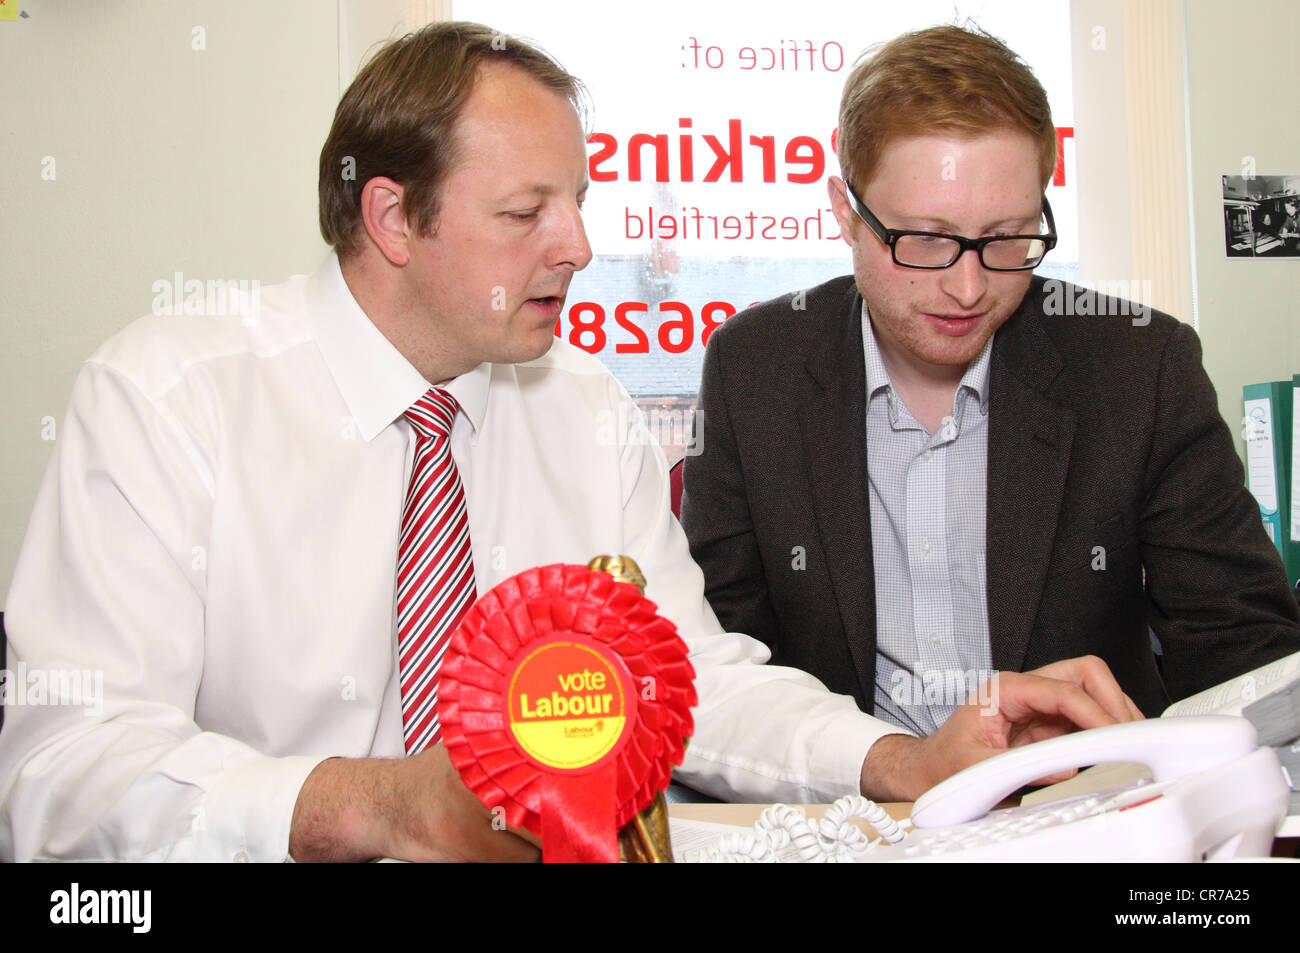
x=928, y=494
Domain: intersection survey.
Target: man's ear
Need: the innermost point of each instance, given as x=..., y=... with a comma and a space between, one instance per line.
x=846, y=217
x=385, y=218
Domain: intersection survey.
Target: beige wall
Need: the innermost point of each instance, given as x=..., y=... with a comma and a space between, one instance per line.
x=165, y=158
x=1133, y=122
x=1131, y=150
x=1101, y=144
x=1242, y=98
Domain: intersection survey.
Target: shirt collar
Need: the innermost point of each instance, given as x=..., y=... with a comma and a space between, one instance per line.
x=376, y=382
x=877, y=376
x=976, y=378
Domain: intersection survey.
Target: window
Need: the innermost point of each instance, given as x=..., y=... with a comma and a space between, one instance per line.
x=709, y=152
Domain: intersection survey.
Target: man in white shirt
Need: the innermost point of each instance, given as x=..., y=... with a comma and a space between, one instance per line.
x=217, y=535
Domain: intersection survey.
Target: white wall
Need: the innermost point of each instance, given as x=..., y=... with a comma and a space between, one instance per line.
x=166, y=158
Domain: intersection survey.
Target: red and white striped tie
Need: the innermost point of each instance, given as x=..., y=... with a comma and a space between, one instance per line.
x=435, y=566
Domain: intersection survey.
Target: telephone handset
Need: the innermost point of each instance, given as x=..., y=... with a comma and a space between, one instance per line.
x=1170, y=749
x=1213, y=794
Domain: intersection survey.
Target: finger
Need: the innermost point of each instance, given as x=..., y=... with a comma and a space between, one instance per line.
x=1023, y=698
x=528, y=836
x=519, y=847
x=495, y=841
x=1041, y=729
x=1094, y=677
x=1054, y=778
x=1134, y=711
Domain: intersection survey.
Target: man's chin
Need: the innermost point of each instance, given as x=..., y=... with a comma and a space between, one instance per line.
x=544, y=347
x=530, y=349
x=952, y=351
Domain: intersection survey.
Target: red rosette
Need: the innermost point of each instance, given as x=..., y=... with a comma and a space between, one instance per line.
x=512, y=640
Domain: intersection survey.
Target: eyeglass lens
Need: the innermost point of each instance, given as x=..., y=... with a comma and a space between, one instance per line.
x=934, y=252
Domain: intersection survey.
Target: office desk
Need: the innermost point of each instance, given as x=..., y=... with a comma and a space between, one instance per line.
x=745, y=815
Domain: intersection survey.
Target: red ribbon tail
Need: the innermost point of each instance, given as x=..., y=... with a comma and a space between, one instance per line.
x=578, y=817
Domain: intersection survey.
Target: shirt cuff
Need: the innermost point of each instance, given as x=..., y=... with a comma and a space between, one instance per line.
x=835, y=762
x=247, y=815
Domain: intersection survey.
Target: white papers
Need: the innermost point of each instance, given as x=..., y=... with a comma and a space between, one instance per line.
x=1232, y=696
x=1260, y=471
x=1295, y=463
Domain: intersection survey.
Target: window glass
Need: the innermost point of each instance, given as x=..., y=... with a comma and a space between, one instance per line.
x=709, y=152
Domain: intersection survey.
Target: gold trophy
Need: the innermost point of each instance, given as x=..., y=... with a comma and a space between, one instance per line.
x=644, y=839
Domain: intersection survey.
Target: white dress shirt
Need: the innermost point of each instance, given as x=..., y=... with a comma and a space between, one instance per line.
x=216, y=539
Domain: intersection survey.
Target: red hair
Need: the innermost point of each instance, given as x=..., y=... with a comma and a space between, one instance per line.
x=942, y=80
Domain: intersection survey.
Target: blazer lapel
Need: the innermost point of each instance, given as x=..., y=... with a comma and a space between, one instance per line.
x=1030, y=438
x=832, y=415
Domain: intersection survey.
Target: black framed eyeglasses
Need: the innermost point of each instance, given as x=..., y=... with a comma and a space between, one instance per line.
x=935, y=250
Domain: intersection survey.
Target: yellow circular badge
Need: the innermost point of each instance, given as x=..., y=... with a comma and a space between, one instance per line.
x=570, y=704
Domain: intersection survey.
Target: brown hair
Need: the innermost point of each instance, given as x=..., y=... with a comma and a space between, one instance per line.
x=945, y=79
x=398, y=119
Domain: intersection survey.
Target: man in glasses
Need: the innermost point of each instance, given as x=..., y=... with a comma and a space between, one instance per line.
x=915, y=475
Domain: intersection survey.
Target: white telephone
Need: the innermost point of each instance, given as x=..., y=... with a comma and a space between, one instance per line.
x=1214, y=794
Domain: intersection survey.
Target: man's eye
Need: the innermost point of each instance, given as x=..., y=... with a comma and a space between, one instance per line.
x=522, y=216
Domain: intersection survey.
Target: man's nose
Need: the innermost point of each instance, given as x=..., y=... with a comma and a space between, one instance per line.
x=571, y=245
x=967, y=279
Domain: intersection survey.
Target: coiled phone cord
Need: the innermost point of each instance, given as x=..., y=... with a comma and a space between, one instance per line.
x=833, y=839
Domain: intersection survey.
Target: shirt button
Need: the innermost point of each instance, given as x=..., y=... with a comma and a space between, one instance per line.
x=928, y=454
x=241, y=857
x=934, y=638
x=925, y=547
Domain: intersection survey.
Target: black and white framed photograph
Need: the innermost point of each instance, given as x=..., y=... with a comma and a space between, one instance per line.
x=1261, y=216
